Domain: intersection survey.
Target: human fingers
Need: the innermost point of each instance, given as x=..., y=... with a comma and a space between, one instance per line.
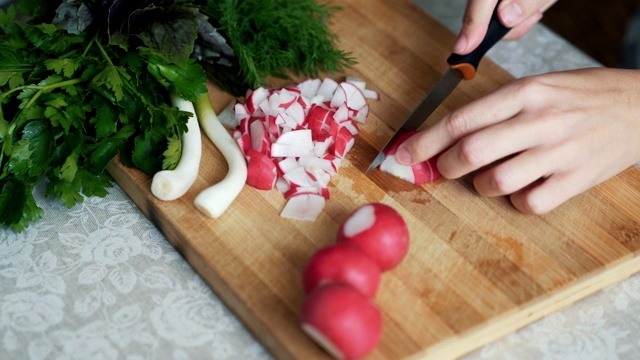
x=519, y=15
x=496, y=107
x=503, y=140
x=515, y=12
x=547, y=194
x=474, y=25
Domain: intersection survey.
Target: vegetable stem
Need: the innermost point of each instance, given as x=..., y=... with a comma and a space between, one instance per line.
x=172, y=184
x=214, y=200
x=41, y=89
x=105, y=56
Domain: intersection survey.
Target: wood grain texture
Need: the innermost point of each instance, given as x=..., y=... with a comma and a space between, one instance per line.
x=477, y=269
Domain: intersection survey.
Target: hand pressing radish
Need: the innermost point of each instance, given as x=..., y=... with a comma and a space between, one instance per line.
x=380, y=231
x=342, y=263
x=418, y=174
x=346, y=323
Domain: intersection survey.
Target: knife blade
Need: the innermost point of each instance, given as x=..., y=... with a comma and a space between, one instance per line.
x=460, y=67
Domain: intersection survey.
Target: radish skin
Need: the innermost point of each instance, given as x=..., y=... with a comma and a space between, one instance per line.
x=172, y=184
x=214, y=200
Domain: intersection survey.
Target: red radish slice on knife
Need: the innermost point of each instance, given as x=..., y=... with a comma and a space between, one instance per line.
x=418, y=174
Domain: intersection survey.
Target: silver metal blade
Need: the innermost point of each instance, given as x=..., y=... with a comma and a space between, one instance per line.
x=429, y=104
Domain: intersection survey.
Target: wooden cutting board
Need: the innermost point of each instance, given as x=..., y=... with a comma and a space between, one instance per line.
x=477, y=269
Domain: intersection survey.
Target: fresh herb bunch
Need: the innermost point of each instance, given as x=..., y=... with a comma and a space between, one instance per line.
x=275, y=38
x=69, y=103
x=82, y=81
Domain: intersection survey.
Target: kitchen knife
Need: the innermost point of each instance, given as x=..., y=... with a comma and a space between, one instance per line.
x=460, y=67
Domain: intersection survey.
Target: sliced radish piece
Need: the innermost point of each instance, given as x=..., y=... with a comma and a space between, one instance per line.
x=361, y=84
x=227, y=116
x=261, y=171
x=355, y=99
x=342, y=113
x=260, y=141
x=322, y=144
x=371, y=94
x=293, y=143
x=287, y=164
x=327, y=88
x=362, y=114
x=313, y=163
x=287, y=98
x=303, y=207
x=343, y=143
x=299, y=177
x=309, y=88
x=339, y=97
x=255, y=99
x=296, y=112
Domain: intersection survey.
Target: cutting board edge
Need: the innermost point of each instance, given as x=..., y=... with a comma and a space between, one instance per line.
x=252, y=321
x=535, y=310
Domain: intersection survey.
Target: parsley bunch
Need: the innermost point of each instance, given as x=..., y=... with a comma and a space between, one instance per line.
x=69, y=103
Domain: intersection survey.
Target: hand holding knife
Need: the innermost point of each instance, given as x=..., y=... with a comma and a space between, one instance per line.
x=460, y=67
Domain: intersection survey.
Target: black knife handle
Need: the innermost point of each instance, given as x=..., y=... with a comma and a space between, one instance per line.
x=468, y=64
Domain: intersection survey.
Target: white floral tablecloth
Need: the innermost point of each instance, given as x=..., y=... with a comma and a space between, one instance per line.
x=99, y=281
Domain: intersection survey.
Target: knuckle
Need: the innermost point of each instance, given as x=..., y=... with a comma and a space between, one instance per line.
x=502, y=182
x=472, y=151
x=458, y=124
x=534, y=204
x=529, y=87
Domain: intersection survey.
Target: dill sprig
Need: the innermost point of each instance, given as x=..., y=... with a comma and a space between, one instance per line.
x=275, y=38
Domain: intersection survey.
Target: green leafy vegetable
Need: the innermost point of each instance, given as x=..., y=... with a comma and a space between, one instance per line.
x=70, y=103
x=272, y=38
x=84, y=81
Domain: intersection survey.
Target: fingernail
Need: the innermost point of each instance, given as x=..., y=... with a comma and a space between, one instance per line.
x=460, y=45
x=511, y=15
x=403, y=157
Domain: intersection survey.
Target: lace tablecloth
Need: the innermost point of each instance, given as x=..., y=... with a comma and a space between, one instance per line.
x=99, y=281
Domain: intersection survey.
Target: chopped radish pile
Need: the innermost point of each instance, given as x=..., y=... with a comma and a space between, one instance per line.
x=294, y=138
x=420, y=173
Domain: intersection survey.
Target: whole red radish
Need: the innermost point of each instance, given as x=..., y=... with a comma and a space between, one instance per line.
x=342, y=320
x=380, y=231
x=343, y=263
x=418, y=174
